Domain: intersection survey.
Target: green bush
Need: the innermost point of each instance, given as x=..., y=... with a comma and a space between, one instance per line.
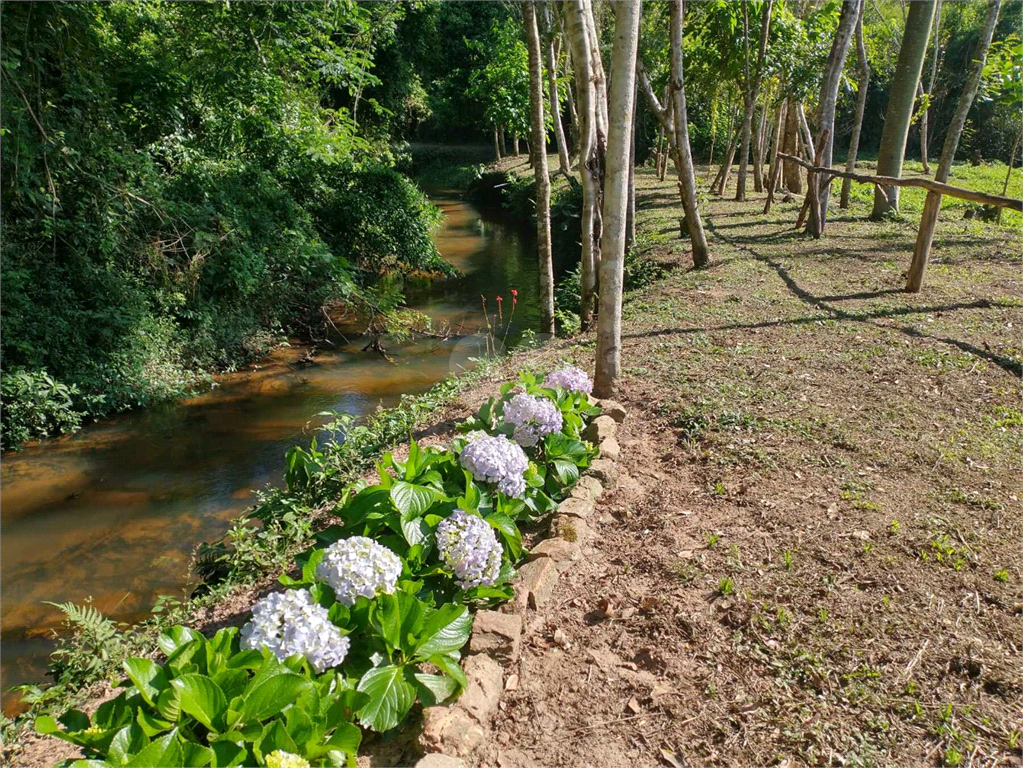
x=33, y=404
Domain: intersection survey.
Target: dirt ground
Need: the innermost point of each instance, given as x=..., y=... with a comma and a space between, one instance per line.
x=815, y=556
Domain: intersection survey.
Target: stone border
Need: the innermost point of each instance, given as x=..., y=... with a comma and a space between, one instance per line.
x=449, y=733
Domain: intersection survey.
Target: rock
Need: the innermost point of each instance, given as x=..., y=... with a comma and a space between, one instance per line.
x=600, y=429
x=535, y=583
x=437, y=760
x=613, y=409
x=587, y=488
x=570, y=528
x=513, y=758
x=605, y=471
x=449, y=730
x=560, y=551
x=497, y=634
x=576, y=507
x=484, y=690
x=610, y=450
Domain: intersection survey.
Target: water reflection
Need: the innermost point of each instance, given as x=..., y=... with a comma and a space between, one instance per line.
x=114, y=512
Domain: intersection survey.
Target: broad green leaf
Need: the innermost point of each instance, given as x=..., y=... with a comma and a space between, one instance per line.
x=566, y=470
x=444, y=630
x=127, y=742
x=175, y=637
x=448, y=664
x=273, y=695
x=148, y=678
x=74, y=720
x=416, y=531
x=163, y=753
x=385, y=616
x=275, y=736
x=203, y=699
x=227, y=754
x=391, y=696
x=346, y=738
x=509, y=531
x=434, y=689
x=151, y=724
x=196, y=755
x=412, y=501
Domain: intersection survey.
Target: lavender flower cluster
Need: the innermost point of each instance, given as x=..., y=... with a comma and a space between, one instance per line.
x=292, y=622
x=533, y=418
x=497, y=460
x=358, y=566
x=467, y=545
x=571, y=379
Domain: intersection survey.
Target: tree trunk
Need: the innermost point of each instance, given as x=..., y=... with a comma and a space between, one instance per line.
x=826, y=109
x=930, y=87
x=515, y=144
x=497, y=144
x=900, y=103
x=861, y=105
x=591, y=153
x=504, y=143
x=932, y=204
x=721, y=181
x=752, y=89
x=622, y=103
x=1008, y=173
x=759, y=148
x=659, y=157
x=793, y=180
x=630, y=219
x=538, y=153
x=559, y=129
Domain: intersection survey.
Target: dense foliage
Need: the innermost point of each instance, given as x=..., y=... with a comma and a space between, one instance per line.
x=183, y=183
x=377, y=597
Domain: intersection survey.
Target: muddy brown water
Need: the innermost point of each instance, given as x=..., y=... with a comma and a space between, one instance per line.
x=114, y=512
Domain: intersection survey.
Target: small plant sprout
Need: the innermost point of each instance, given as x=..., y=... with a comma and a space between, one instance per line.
x=893, y=528
x=726, y=587
x=822, y=615
x=786, y=558
x=713, y=539
x=1002, y=575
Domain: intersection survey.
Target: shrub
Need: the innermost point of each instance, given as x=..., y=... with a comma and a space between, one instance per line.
x=33, y=404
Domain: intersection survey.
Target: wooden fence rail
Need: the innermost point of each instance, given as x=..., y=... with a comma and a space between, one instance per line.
x=935, y=190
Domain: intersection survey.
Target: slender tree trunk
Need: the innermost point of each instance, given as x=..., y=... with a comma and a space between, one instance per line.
x=793, y=178
x=497, y=144
x=538, y=153
x=659, y=157
x=861, y=106
x=630, y=219
x=591, y=153
x=930, y=87
x=573, y=114
x=760, y=137
x=932, y=204
x=559, y=130
x=752, y=90
x=599, y=78
x=826, y=109
x=892, y=151
x=515, y=144
x=721, y=182
x=622, y=103
x=504, y=143
x=1008, y=173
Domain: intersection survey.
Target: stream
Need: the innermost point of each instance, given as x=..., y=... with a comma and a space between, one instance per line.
x=114, y=512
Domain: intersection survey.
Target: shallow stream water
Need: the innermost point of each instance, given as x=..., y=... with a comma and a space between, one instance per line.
x=114, y=512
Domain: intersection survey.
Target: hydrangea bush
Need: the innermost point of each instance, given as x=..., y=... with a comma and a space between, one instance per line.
x=358, y=567
x=379, y=595
x=468, y=546
x=533, y=418
x=496, y=459
x=570, y=379
x=291, y=622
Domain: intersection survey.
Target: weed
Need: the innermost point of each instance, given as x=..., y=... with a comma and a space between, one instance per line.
x=786, y=558
x=1002, y=575
x=726, y=586
x=893, y=528
x=712, y=540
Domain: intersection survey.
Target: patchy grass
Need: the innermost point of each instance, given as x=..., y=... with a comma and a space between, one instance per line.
x=822, y=504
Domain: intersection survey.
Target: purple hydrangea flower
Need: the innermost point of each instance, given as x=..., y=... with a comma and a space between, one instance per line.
x=292, y=622
x=497, y=460
x=571, y=379
x=358, y=566
x=533, y=418
x=468, y=546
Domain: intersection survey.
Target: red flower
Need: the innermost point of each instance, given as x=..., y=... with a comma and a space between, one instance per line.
x=514, y=292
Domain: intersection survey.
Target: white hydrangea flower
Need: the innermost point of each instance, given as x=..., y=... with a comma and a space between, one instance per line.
x=358, y=566
x=467, y=545
x=292, y=622
x=281, y=759
x=468, y=437
x=533, y=418
x=570, y=379
x=497, y=460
